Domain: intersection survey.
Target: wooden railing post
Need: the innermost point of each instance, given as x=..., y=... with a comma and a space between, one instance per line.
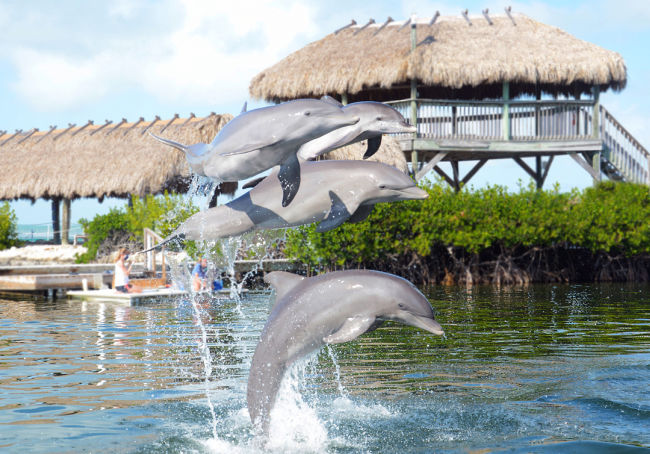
x=595, y=123
x=506, y=110
x=595, y=117
x=414, y=95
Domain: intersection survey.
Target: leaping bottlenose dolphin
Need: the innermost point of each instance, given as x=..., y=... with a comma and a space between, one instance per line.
x=375, y=119
x=331, y=308
x=332, y=192
x=260, y=139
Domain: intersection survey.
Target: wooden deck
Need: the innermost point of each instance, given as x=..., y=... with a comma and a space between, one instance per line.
x=56, y=280
x=455, y=131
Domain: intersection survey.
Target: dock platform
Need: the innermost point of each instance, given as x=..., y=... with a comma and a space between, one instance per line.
x=137, y=299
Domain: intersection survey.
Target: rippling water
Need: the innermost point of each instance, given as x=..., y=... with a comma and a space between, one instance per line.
x=545, y=368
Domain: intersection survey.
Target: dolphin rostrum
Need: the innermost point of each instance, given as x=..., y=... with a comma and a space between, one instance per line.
x=332, y=192
x=260, y=139
x=375, y=119
x=331, y=308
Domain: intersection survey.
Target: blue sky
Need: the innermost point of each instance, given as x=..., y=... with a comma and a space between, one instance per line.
x=70, y=61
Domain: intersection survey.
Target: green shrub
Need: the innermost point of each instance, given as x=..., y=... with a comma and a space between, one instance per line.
x=99, y=228
x=8, y=227
x=610, y=218
x=162, y=214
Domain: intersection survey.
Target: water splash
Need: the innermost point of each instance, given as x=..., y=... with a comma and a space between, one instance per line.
x=295, y=426
x=337, y=371
x=206, y=357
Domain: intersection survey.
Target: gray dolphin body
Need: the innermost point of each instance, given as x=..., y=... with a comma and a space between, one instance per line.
x=260, y=139
x=331, y=308
x=375, y=119
x=332, y=192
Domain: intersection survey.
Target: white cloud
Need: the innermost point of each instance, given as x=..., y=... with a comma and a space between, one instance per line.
x=208, y=56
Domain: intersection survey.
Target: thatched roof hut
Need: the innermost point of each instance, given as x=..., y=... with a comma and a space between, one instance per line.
x=455, y=58
x=389, y=153
x=110, y=160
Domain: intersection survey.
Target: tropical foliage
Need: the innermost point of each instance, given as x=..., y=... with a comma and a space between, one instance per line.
x=162, y=214
x=8, y=227
x=488, y=227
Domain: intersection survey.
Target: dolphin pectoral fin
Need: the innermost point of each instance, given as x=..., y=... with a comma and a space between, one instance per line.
x=373, y=145
x=253, y=183
x=375, y=325
x=289, y=176
x=328, y=99
x=352, y=328
x=361, y=214
x=338, y=215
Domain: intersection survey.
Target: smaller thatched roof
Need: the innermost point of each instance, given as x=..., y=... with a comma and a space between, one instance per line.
x=389, y=153
x=110, y=160
x=455, y=58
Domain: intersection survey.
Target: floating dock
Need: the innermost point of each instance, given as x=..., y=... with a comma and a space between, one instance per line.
x=137, y=299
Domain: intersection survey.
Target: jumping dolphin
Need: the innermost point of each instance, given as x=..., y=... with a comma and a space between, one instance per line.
x=331, y=308
x=260, y=139
x=375, y=119
x=331, y=193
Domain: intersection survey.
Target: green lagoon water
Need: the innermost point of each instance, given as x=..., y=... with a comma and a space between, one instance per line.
x=561, y=368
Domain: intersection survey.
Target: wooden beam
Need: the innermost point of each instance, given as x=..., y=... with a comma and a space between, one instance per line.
x=506, y=111
x=454, y=169
x=595, y=163
x=430, y=165
x=442, y=173
x=547, y=168
x=414, y=163
x=544, y=147
x=526, y=167
x=595, y=116
x=472, y=172
x=56, y=224
x=65, y=220
x=585, y=165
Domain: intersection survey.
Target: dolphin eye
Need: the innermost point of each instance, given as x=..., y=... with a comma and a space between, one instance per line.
x=401, y=306
x=308, y=113
x=383, y=186
x=379, y=118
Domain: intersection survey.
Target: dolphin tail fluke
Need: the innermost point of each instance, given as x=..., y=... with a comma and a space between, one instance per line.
x=171, y=143
x=264, y=380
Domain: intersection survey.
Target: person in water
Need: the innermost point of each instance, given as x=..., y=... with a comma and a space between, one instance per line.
x=122, y=273
x=199, y=278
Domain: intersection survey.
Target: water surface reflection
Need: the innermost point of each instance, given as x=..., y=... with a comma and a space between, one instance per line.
x=519, y=368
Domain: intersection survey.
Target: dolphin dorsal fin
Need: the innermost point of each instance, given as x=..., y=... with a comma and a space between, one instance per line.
x=244, y=108
x=282, y=282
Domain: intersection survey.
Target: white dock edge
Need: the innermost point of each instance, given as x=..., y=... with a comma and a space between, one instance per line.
x=134, y=299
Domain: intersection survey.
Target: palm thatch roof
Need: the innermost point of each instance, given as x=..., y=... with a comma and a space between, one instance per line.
x=455, y=58
x=389, y=153
x=110, y=160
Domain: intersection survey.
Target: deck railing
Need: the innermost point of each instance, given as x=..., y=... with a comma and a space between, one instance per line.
x=623, y=150
x=554, y=120
x=484, y=120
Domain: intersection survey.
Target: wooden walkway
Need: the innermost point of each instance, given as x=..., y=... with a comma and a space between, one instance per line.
x=457, y=131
